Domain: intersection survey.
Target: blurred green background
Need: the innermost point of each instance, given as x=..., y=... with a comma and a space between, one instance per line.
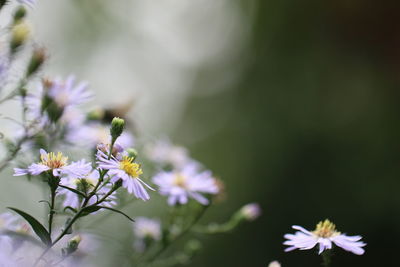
x=294, y=104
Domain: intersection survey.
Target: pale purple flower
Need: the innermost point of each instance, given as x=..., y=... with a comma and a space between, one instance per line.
x=324, y=235
x=65, y=94
x=57, y=164
x=163, y=152
x=127, y=170
x=86, y=183
x=187, y=183
x=251, y=211
x=145, y=228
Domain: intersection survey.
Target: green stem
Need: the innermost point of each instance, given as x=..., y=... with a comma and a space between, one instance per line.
x=51, y=213
x=326, y=258
x=178, y=237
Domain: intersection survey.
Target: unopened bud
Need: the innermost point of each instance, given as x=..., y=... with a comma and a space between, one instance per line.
x=20, y=33
x=19, y=14
x=117, y=127
x=37, y=60
x=96, y=114
x=274, y=264
x=72, y=245
x=192, y=247
x=250, y=212
x=132, y=153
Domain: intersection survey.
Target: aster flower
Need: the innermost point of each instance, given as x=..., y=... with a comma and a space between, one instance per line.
x=57, y=164
x=86, y=184
x=64, y=94
x=124, y=168
x=324, y=235
x=187, y=183
x=163, y=152
x=146, y=229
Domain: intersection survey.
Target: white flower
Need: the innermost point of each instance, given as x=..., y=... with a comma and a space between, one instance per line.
x=324, y=235
x=146, y=229
x=165, y=153
x=179, y=186
x=274, y=264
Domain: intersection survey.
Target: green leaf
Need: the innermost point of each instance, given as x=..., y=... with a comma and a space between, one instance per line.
x=73, y=190
x=88, y=210
x=70, y=208
x=37, y=227
x=118, y=211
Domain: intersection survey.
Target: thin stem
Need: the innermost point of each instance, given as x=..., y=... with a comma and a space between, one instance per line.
x=326, y=258
x=181, y=234
x=51, y=214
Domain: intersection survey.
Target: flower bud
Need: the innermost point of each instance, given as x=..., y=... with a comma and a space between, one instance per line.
x=72, y=245
x=132, y=153
x=250, y=212
x=117, y=127
x=19, y=14
x=37, y=59
x=96, y=114
x=274, y=264
x=20, y=33
x=192, y=246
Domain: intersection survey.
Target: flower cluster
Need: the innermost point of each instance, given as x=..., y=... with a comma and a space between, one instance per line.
x=108, y=175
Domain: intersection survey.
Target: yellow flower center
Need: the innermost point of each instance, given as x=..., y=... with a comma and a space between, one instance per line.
x=131, y=168
x=325, y=229
x=54, y=161
x=180, y=180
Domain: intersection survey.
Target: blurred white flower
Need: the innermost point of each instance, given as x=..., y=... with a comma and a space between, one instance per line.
x=163, y=152
x=180, y=185
x=146, y=230
x=274, y=264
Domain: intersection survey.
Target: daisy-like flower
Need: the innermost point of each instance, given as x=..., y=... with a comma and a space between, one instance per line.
x=324, y=235
x=124, y=168
x=67, y=93
x=146, y=229
x=187, y=183
x=165, y=153
x=57, y=164
x=66, y=96
x=86, y=184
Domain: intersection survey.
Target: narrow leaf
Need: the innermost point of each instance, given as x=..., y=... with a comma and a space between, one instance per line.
x=37, y=227
x=70, y=208
x=73, y=190
x=89, y=209
x=118, y=211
